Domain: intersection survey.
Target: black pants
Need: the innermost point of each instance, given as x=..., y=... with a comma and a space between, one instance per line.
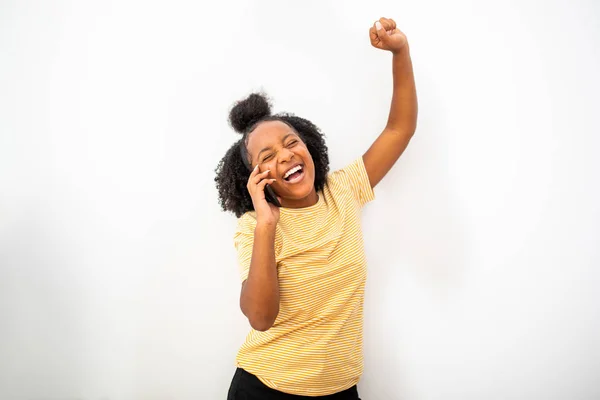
x=246, y=386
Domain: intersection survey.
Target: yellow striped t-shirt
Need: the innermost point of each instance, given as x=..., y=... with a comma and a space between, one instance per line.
x=314, y=347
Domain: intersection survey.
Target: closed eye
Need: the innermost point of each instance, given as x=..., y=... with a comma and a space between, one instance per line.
x=292, y=143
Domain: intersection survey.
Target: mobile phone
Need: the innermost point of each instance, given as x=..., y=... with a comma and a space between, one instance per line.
x=270, y=196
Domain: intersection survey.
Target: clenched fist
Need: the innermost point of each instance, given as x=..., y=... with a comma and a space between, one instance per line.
x=385, y=36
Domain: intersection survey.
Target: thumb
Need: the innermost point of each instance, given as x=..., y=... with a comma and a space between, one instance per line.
x=381, y=33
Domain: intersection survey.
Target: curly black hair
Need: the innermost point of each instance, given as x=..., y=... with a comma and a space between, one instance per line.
x=233, y=169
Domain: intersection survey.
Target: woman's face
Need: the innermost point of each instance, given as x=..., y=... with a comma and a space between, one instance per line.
x=274, y=146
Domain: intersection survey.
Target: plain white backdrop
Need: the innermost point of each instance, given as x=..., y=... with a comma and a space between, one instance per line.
x=118, y=276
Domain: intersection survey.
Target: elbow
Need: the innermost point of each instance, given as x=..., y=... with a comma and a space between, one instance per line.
x=261, y=314
x=406, y=132
x=262, y=321
x=261, y=325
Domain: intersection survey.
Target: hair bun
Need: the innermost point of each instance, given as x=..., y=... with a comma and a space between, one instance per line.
x=248, y=111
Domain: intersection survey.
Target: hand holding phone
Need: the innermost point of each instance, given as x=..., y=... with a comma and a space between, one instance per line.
x=270, y=195
x=262, y=194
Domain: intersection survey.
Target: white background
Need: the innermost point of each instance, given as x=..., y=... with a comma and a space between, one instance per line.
x=118, y=276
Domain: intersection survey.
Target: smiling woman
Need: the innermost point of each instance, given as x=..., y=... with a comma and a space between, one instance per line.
x=302, y=264
x=266, y=139
x=285, y=159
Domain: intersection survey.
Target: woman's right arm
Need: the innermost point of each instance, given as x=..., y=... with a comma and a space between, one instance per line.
x=259, y=299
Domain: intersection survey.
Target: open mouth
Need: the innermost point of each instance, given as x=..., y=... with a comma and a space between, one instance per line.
x=294, y=174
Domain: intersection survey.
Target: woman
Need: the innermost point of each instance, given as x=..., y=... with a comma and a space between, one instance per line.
x=302, y=261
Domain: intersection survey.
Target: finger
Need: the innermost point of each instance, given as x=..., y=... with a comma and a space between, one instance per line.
x=260, y=176
x=373, y=33
x=251, y=177
x=384, y=23
x=393, y=25
x=381, y=33
x=373, y=36
x=254, y=171
x=391, y=29
x=261, y=185
x=388, y=24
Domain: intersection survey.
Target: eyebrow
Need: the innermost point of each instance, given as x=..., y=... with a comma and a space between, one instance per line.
x=270, y=148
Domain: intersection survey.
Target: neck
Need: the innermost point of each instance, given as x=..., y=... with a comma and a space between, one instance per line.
x=307, y=201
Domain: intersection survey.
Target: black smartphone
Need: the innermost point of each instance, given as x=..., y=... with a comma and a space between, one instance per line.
x=270, y=196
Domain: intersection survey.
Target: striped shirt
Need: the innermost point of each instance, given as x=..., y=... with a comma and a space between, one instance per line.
x=314, y=347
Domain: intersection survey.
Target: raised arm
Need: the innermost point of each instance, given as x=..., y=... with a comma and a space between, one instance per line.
x=402, y=121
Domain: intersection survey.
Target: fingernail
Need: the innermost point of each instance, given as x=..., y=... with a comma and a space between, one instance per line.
x=256, y=166
x=378, y=26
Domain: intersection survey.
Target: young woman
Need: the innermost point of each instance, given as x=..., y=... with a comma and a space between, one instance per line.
x=302, y=261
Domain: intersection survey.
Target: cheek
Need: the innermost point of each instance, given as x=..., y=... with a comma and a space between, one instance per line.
x=305, y=154
x=309, y=161
x=272, y=165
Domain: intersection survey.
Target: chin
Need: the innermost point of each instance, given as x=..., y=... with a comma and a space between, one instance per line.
x=299, y=192
x=302, y=193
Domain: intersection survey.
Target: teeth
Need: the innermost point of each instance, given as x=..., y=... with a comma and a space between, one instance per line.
x=291, y=171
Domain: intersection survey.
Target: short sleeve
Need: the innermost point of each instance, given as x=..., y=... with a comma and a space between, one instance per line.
x=355, y=177
x=243, y=241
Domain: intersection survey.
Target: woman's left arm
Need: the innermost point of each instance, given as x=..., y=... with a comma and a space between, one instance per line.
x=402, y=121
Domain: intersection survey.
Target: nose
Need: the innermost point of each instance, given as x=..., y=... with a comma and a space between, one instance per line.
x=285, y=155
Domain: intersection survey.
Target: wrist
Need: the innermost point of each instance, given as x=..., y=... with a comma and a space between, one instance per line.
x=402, y=52
x=263, y=227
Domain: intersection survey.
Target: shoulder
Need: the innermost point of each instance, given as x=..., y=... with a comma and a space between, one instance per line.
x=352, y=179
x=348, y=176
x=246, y=223
x=353, y=171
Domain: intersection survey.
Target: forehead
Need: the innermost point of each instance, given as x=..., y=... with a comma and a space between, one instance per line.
x=266, y=134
